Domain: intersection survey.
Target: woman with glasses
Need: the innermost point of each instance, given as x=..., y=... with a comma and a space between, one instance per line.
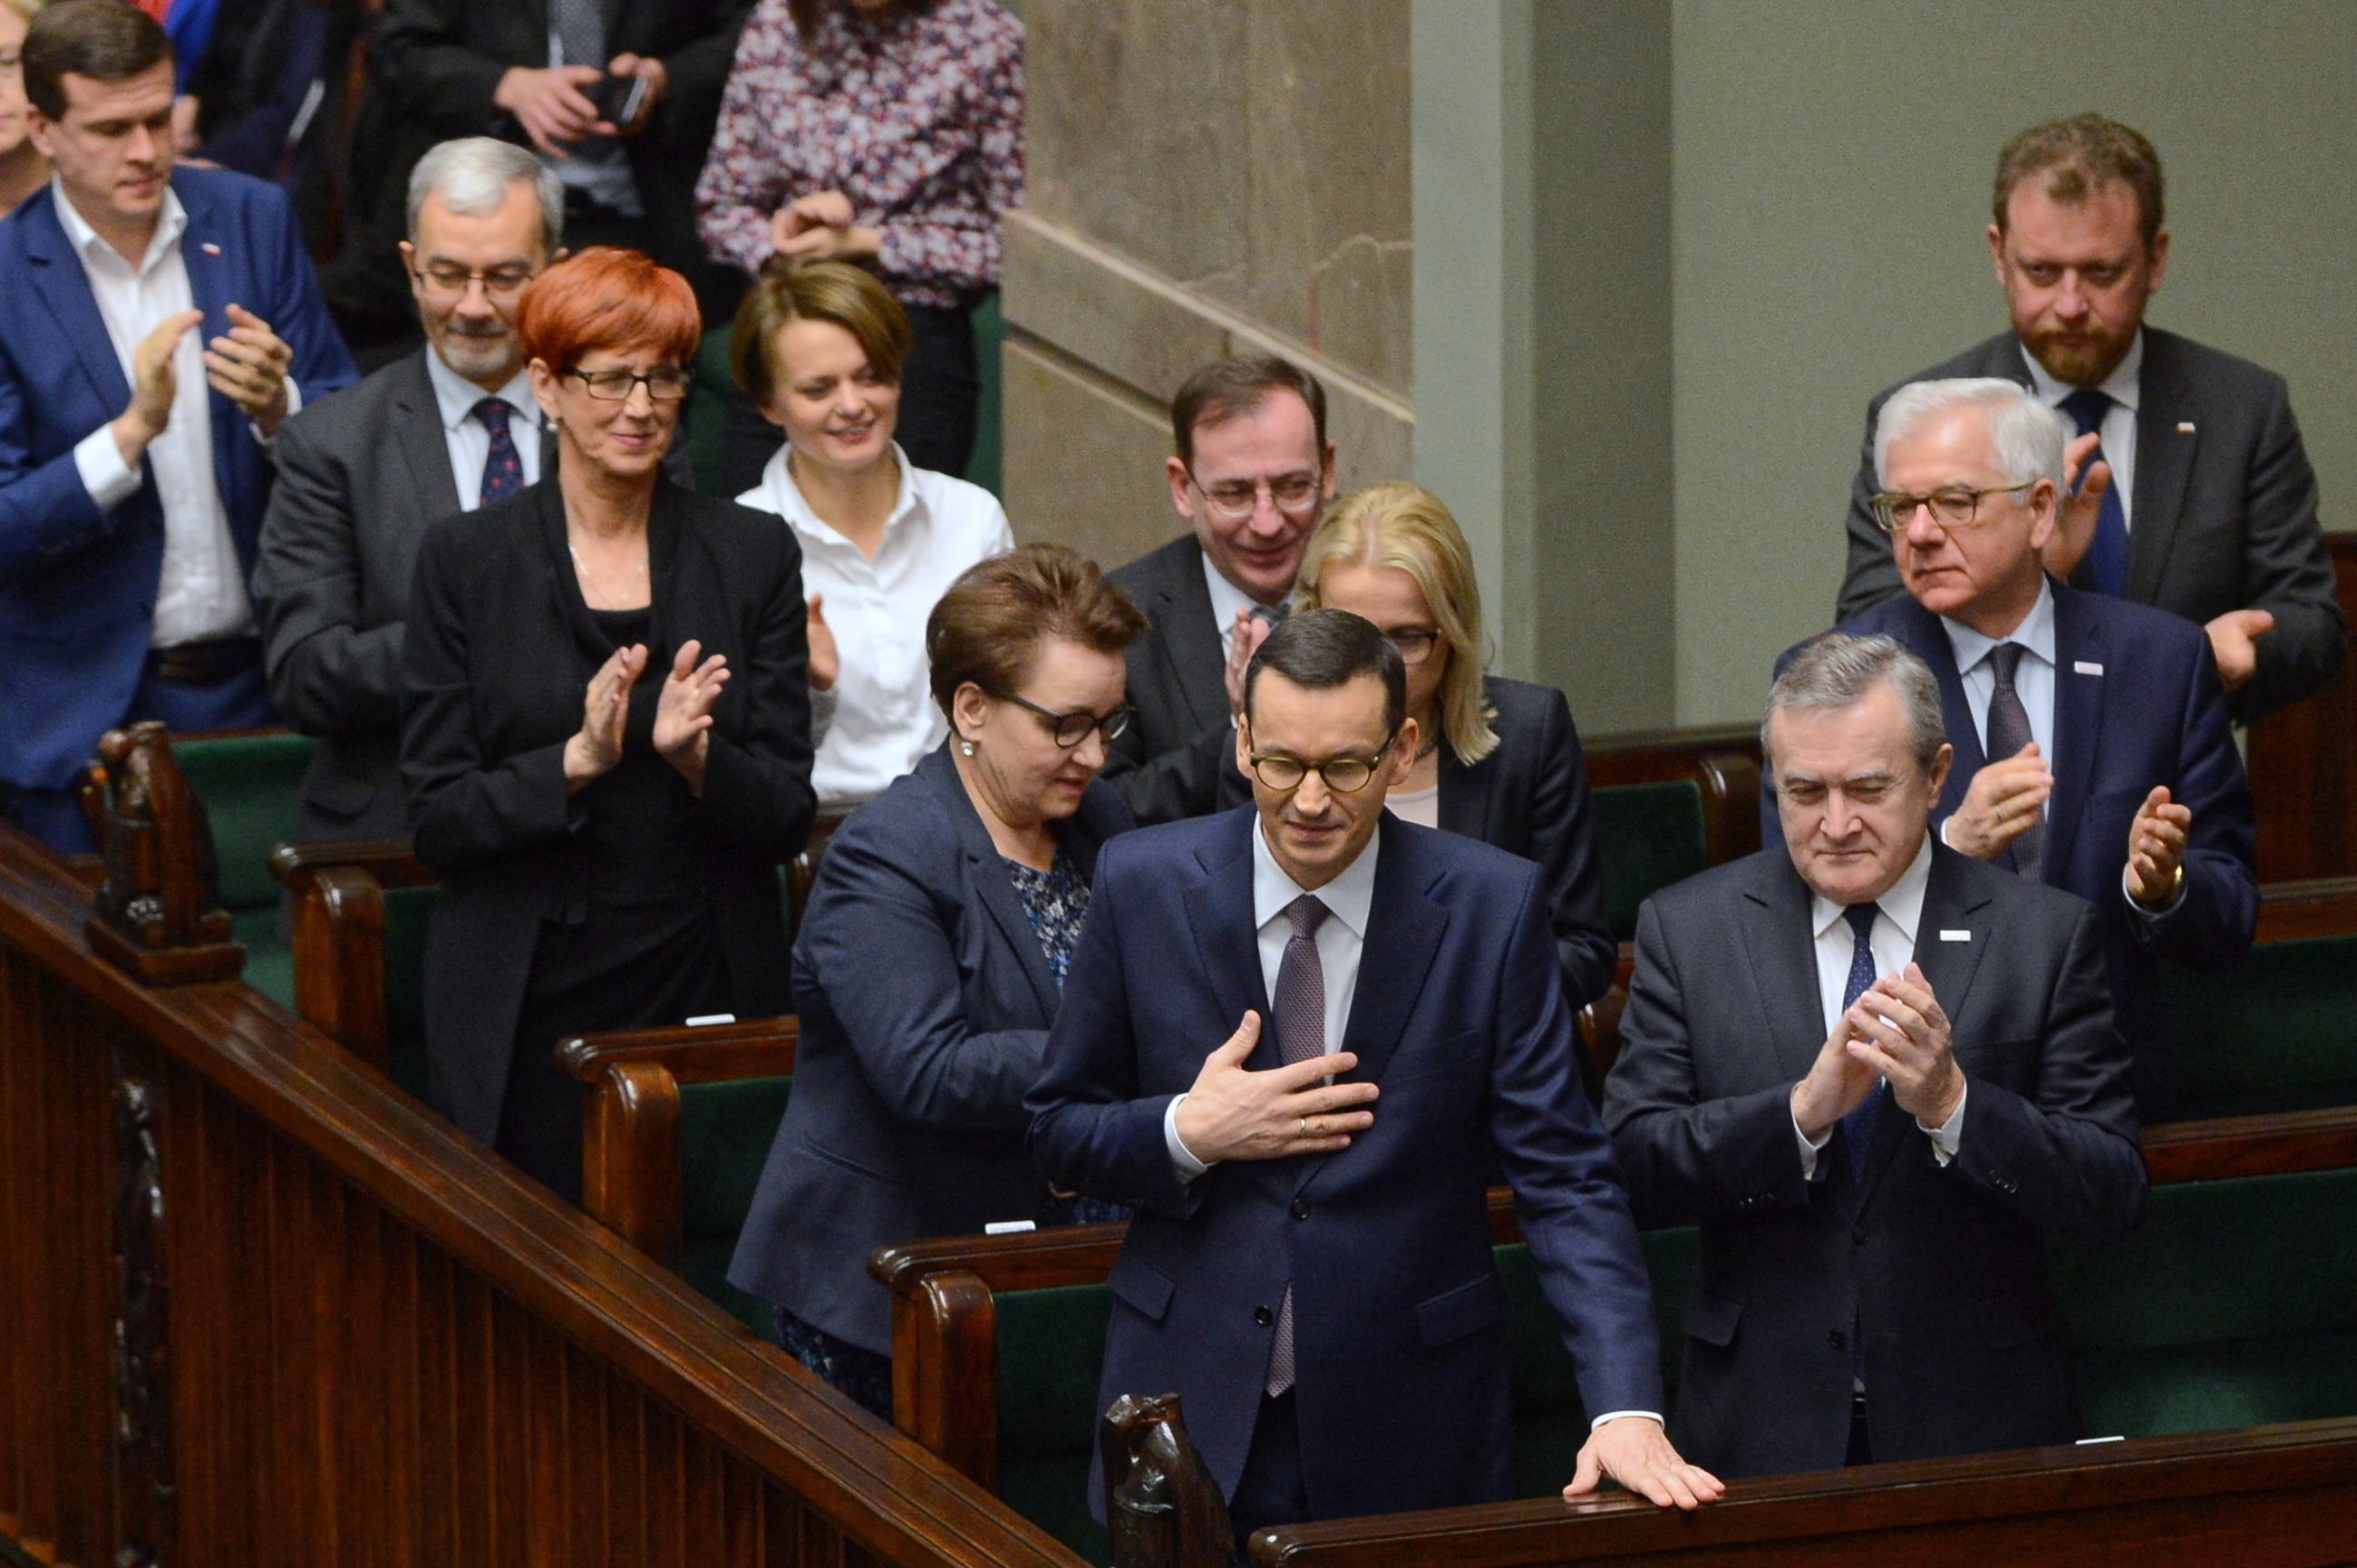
x=1500, y=760
x=930, y=963
x=23, y=169
x=819, y=349
x=605, y=736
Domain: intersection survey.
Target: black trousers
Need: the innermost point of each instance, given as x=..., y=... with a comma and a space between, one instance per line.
x=941, y=393
x=1271, y=1491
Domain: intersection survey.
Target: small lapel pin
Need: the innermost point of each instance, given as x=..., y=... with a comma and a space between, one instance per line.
x=2185, y=427
x=1947, y=936
x=209, y=249
x=2085, y=667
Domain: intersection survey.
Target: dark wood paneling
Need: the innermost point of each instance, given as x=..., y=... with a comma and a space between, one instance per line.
x=2303, y=765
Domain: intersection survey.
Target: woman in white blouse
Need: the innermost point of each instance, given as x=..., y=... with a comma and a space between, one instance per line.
x=819, y=349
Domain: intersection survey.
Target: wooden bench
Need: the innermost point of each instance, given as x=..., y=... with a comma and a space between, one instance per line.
x=359, y=911
x=1667, y=805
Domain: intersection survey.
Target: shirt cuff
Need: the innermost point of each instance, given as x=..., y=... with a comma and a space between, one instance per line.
x=1809, y=1150
x=110, y=480
x=294, y=407
x=2153, y=914
x=1622, y=1415
x=1949, y=1134
x=1182, y=1159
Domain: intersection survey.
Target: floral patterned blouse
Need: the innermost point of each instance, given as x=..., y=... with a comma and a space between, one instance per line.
x=1055, y=901
x=918, y=118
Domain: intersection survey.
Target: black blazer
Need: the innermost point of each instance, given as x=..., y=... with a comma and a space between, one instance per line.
x=498, y=651
x=1169, y=763
x=360, y=476
x=925, y=1003
x=1530, y=798
x=1943, y=1269
x=2224, y=513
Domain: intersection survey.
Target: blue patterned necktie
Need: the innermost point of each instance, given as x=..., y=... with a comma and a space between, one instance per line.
x=1300, y=1007
x=2108, y=556
x=1857, y=1127
x=503, y=469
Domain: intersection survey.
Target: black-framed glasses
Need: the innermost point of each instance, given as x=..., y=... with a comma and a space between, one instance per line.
x=1953, y=507
x=1293, y=494
x=1415, y=643
x=1344, y=775
x=664, y=383
x=1070, y=729
x=448, y=281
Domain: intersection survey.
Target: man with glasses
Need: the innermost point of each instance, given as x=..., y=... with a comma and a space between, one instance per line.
x=1252, y=473
x=2198, y=496
x=442, y=429
x=1297, y=1039
x=160, y=325
x=2092, y=746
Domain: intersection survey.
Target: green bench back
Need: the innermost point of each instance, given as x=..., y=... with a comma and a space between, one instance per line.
x=724, y=1133
x=1648, y=836
x=251, y=787
x=2276, y=1033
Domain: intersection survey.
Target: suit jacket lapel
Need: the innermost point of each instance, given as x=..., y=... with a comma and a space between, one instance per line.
x=210, y=285
x=1227, y=939
x=989, y=876
x=1197, y=652
x=1948, y=969
x=1781, y=948
x=1925, y=637
x=1404, y=931
x=2079, y=638
x=58, y=278
x=2164, y=463
x=424, y=443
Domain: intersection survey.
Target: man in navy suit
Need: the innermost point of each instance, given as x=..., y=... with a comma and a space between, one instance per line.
x=161, y=327
x=1309, y=1263
x=2092, y=746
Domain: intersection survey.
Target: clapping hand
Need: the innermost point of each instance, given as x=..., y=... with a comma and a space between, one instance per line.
x=2234, y=643
x=2156, y=848
x=155, y=383
x=825, y=660
x=2075, y=524
x=596, y=749
x=248, y=366
x=683, y=710
x=2002, y=803
x=1899, y=1031
x=1250, y=632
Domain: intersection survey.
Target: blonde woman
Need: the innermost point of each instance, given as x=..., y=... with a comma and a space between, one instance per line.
x=1500, y=761
x=23, y=169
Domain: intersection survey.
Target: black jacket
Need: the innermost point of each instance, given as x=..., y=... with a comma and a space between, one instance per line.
x=495, y=661
x=1169, y=764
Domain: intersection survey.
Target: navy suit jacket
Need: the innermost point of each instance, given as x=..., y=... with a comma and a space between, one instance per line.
x=1942, y=1268
x=2137, y=703
x=1400, y=1319
x=78, y=585
x=925, y=1001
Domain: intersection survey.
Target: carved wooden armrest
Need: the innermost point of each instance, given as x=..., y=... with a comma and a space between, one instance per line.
x=390, y=861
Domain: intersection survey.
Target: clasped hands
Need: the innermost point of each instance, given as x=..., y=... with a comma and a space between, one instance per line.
x=1894, y=1031
x=247, y=365
x=822, y=227
x=682, y=714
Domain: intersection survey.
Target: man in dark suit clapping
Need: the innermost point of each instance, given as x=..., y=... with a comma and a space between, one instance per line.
x=1882, y=1077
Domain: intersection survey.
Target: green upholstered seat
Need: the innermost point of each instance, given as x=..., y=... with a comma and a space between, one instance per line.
x=1647, y=837
x=724, y=1133
x=2235, y=1304
x=2276, y=1033
x=708, y=406
x=251, y=788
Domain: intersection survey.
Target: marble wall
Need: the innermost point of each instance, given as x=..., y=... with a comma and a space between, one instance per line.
x=1205, y=177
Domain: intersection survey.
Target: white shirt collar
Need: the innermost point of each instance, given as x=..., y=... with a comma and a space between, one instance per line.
x=171, y=223
x=1903, y=904
x=2035, y=633
x=1226, y=598
x=455, y=396
x=782, y=495
x=1349, y=897
x=2120, y=385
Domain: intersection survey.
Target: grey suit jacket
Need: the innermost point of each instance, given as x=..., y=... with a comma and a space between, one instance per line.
x=1169, y=764
x=360, y=475
x=2223, y=515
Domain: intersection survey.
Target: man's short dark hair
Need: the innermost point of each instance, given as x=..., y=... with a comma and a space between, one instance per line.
x=2078, y=156
x=1232, y=388
x=1320, y=649
x=106, y=40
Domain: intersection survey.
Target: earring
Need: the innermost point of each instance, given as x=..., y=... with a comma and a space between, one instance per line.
x=965, y=748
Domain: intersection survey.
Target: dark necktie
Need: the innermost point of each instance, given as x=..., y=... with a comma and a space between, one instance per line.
x=503, y=469
x=1857, y=1127
x=2008, y=732
x=2108, y=556
x=1300, y=1008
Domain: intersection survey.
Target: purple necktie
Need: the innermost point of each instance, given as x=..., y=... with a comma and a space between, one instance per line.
x=503, y=469
x=1300, y=1008
x=2008, y=732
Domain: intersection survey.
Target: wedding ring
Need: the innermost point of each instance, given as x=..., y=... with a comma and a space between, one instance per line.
x=1305, y=1127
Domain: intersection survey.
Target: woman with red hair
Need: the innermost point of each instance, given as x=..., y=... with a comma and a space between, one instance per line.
x=605, y=729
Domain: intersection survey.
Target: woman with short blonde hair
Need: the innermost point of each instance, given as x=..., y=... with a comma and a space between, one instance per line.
x=1496, y=760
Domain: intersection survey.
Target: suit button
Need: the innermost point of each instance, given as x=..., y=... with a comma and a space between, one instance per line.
x=1838, y=1339
x=1301, y=1209
x=1263, y=1317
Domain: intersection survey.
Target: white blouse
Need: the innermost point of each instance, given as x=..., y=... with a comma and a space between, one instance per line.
x=885, y=719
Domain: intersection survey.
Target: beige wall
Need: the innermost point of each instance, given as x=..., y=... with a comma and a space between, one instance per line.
x=1832, y=170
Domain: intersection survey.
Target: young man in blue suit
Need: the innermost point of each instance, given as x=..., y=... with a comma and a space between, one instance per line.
x=159, y=326
x=2092, y=746
x=1296, y=1039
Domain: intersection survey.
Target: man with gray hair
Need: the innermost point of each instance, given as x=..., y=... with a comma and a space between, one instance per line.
x=2093, y=751
x=360, y=475
x=1882, y=1078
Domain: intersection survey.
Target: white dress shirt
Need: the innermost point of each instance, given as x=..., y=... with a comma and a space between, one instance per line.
x=1898, y=915
x=885, y=716
x=468, y=439
x=2118, y=431
x=201, y=593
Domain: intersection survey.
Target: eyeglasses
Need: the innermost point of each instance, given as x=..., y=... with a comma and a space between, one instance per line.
x=1070, y=729
x=1415, y=643
x=1344, y=775
x=1951, y=508
x=666, y=384
x=1234, y=499
x=448, y=284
